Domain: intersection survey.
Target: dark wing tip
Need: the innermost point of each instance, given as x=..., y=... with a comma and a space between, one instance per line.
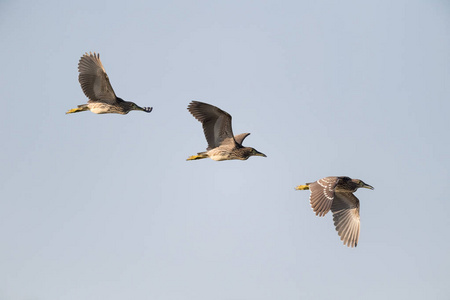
x=87, y=60
x=193, y=104
x=90, y=55
x=94, y=54
x=203, y=111
x=197, y=104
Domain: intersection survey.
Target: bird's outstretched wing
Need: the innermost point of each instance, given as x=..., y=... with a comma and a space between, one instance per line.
x=216, y=124
x=94, y=80
x=345, y=210
x=240, y=138
x=322, y=195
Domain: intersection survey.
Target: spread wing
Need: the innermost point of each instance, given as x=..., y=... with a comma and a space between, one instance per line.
x=240, y=138
x=322, y=195
x=94, y=80
x=345, y=210
x=216, y=124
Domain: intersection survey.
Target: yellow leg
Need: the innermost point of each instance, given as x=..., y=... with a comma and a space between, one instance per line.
x=195, y=157
x=302, y=187
x=78, y=109
x=73, y=110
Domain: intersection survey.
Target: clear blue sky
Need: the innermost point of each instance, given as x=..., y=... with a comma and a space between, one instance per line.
x=106, y=207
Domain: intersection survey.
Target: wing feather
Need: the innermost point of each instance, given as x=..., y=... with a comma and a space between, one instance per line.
x=240, y=138
x=216, y=124
x=93, y=79
x=322, y=195
x=346, y=217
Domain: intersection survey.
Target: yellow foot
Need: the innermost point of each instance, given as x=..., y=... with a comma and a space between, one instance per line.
x=73, y=110
x=194, y=157
x=302, y=187
x=82, y=107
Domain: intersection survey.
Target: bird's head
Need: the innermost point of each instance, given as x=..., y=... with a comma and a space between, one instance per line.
x=134, y=106
x=252, y=152
x=362, y=184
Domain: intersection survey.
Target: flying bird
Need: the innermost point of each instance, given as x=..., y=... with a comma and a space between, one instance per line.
x=336, y=193
x=222, y=144
x=96, y=86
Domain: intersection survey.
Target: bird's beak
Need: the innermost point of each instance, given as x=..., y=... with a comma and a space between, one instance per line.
x=366, y=186
x=260, y=154
x=146, y=109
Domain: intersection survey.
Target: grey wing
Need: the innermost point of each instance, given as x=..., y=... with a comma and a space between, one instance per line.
x=345, y=210
x=322, y=195
x=240, y=138
x=216, y=124
x=94, y=80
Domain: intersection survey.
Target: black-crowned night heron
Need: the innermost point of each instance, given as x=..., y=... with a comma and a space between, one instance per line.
x=222, y=145
x=336, y=193
x=96, y=86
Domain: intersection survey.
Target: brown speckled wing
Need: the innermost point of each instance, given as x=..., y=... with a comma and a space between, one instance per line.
x=322, y=195
x=345, y=210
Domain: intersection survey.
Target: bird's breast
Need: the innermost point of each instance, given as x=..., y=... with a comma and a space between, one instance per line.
x=99, y=108
x=218, y=155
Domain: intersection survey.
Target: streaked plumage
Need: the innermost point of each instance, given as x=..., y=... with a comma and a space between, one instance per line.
x=222, y=145
x=96, y=86
x=336, y=193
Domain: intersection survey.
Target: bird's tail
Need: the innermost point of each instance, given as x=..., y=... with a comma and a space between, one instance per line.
x=80, y=108
x=302, y=187
x=198, y=156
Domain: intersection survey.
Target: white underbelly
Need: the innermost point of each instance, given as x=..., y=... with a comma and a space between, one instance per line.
x=218, y=155
x=99, y=109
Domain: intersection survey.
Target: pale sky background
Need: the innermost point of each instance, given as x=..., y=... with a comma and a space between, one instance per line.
x=106, y=207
